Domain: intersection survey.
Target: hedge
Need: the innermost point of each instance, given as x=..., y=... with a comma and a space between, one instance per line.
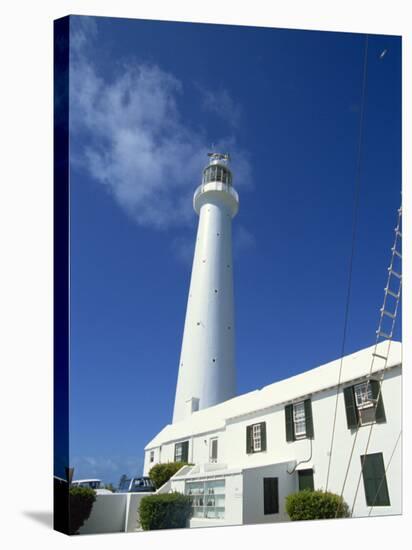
x=309, y=504
x=81, y=501
x=165, y=511
x=160, y=473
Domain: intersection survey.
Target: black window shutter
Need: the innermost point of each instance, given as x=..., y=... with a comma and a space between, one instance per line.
x=249, y=445
x=351, y=408
x=270, y=495
x=374, y=480
x=290, y=431
x=185, y=451
x=263, y=436
x=380, y=411
x=305, y=479
x=308, y=418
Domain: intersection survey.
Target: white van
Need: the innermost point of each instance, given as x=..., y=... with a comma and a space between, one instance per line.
x=95, y=484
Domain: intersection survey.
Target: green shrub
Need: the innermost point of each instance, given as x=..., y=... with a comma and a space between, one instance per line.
x=160, y=473
x=309, y=504
x=81, y=502
x=165, y=511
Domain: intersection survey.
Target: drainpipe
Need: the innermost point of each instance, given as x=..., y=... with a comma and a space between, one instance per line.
x=302, y=461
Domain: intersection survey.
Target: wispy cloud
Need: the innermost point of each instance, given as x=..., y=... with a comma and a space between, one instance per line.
x=243, y=239
x=222, y=104
x=105, y=468
x=183, y=247
x=134, y=139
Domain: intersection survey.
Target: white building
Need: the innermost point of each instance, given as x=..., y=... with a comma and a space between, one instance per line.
x=249, y=452
x=279, y=437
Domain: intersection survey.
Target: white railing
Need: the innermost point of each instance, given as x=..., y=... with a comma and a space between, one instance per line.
x=216, y=186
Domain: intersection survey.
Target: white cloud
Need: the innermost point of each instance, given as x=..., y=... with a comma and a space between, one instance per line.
x=108, y=469
x=221, y=103
x=243, y=239
x=183, y=247
x=82, y=31
x=129, y=134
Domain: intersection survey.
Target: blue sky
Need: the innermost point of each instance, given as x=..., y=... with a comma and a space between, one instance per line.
x=148, y=100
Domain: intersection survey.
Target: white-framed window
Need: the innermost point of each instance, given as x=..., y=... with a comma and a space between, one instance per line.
x=364, y=403
x=299, y=420
x=363, y=395
x=208, y=498
x=182, y=451
x=257, y=438
x=151, y=456
x=213, y=449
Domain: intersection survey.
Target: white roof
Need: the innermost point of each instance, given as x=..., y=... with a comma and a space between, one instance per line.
x=84, y=480
x=356, y=365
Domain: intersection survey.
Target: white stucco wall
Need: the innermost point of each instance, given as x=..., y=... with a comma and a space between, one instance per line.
x=253, y=510
x=114, y=513
x=107, y=516
x=198, y=450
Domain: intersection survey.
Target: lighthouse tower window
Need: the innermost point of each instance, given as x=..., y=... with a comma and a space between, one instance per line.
x=216, y=172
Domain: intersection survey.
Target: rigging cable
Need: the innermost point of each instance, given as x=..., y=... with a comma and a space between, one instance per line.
x=389, y=344
x=352, y=253
x=379, y=333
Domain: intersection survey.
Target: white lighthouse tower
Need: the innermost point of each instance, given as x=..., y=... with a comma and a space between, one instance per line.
x=207, y=361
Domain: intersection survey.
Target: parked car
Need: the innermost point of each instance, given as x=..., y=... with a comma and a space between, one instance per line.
x=95, y=484
x=135, y=485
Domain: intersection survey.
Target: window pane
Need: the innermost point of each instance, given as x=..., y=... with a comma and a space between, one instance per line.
x=299, y=418
x=181, y=451
x=363, y=394
x=213, y=449
x=367, y=415
x=256, y=437
x=208, y=498
x=178, y=452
